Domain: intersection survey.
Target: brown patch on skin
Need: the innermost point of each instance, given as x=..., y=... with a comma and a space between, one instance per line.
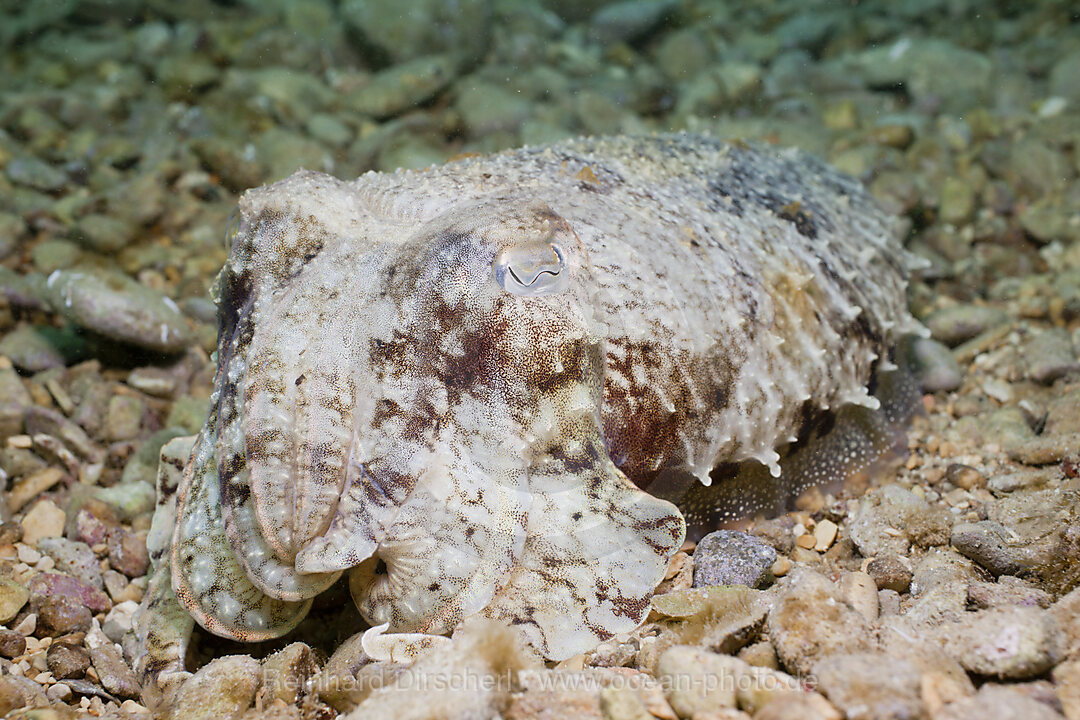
x=644, y=437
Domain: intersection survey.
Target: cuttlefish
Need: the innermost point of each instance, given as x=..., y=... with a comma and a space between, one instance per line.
x=508, y=386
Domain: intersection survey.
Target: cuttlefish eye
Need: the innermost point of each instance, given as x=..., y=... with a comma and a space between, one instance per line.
x=536, y=268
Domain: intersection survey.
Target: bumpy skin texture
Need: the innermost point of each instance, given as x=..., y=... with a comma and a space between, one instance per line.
x=455, y=381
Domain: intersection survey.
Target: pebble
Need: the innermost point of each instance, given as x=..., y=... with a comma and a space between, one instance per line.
x=104, y=233
x=60, y=615
x=809, y=621
x=935, y=367
x=19, y=692
x=34, y=173
x=1049, y=355
x=889, y=573
x=728, y=557
x=127, y=551
x=57, y=585
x=958, y=323
x=30, y=349
x=42, y=520
x=859, y=591
x=628, y=20
x=401, y=87
x=32, y=485
x=1000, y=703
x=74, y=558
x=225, y=687
x=430, y=26
x=699, y=681
x=622, y=703
x=889, y=519
x=12, y=644
x=1006, y=591
x=871, y=685
x=67, y=660
x=1011, y=643
x=991, y=545
x=119, y=620
x=113, y=305
x=113, y=673
x=799, y=706
x=1066, y=677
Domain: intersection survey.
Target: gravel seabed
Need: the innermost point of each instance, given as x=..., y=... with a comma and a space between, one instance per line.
x=945, y=587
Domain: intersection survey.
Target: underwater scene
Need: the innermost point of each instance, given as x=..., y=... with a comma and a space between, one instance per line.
x=470, y=359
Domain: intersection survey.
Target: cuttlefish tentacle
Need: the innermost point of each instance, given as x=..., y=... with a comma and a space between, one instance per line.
x=450, y=547
x=206, y=576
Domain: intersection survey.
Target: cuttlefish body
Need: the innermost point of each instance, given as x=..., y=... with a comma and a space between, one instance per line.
x=469, y=385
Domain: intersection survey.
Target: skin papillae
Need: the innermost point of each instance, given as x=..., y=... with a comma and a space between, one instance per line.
x=469, y=386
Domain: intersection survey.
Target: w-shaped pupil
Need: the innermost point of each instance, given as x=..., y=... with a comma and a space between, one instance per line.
x=531, y=269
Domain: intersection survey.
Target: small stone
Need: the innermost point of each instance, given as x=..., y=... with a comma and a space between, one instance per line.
x=1012, y=643
x=20, y=692
x=402, y=87
x=1049, y=355
x=622, y=703
x=32, y=172
x=123, y=417
x=127, y=551
x=728, y=557
x=699, y=681
x=104, y=233
x=809, y=621
x=889, y=519
x=935, y=367
x=285, y=674
x=67, y=660
x=889, y=573
x=964, y=476
x=871, y=685
x=997, y=702
x=115, y=306
x=627, y=20
x=119, y=620
x=423, y=27
x=43, y=520
x=957, y=323
x=74, y=558
x=33, y=485
x=957, y=201
x=58, y=693
x=60, y=615
x=1066, y=678
x=991, y=545
x=798, y=706
x=859, y=591
x=113, y=673
x=57, y=585
x=223, y=688
x=1006, y=591
x=31, y=350
x=12, y=644
x=824, y=535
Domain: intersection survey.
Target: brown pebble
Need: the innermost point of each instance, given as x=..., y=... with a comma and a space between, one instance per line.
x=60, y=615
x=67, y=660
x=12, y=644
x=806, y=542
x=965, y=476
x=127, y=552
x=889, y=573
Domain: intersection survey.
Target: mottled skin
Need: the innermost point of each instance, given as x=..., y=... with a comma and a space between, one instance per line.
x=455, y=381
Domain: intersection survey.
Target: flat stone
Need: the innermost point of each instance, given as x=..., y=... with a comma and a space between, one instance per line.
x=115, y=306
x=223, y=688
x=113, y=673
x=809, y=621
x=871, y=685
x=1011, y=643
x=42, y=520
x=728, y=557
